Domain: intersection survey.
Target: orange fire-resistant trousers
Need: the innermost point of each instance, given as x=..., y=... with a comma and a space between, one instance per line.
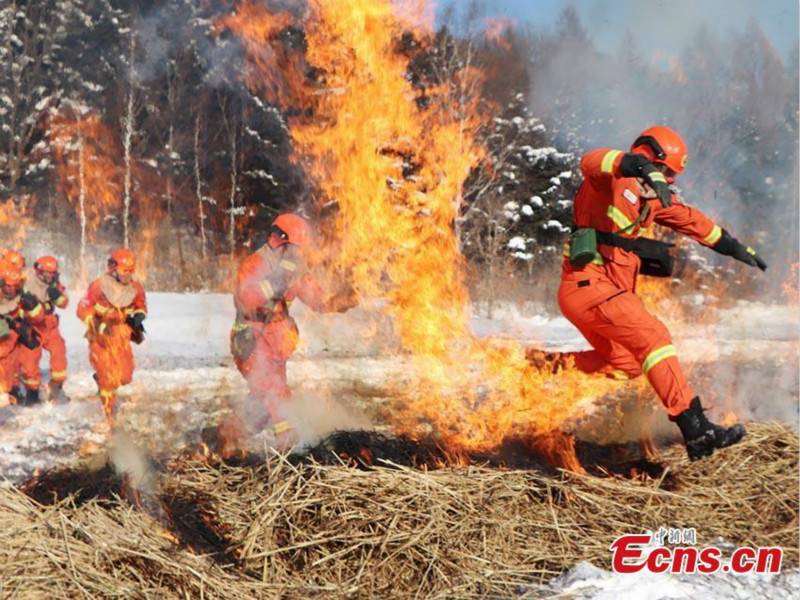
x=265, y=367
x=52, y=341
x=626, y=337
x=111, y=356
x=9, y=364
x=28, y=361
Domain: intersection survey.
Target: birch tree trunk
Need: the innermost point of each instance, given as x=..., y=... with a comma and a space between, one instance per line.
x=199, y=187
x=82, y=205
x=234, y=182
x=127, y=147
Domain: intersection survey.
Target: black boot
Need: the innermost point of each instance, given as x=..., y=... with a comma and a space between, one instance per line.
x=18, y=393
x=701, y=436
x=31, y=397
x=57, y=394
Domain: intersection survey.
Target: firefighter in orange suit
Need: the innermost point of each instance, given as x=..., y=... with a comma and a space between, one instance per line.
x=44, y=284
x=264, y=336
x=20, y=312
x=13, y=258
x=623, y=193
x=9, y=365
x=114, y=309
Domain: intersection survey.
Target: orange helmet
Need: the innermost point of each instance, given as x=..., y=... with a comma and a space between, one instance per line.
x=46, y=264
x=664, y=146
x=122, y=261
x=292, y=228
x=10, y=275
x=14, y=258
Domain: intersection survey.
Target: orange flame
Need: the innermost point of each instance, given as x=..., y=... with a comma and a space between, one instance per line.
x=496, y=31
x=88, y=172
x=15, y=220
x=396, y=172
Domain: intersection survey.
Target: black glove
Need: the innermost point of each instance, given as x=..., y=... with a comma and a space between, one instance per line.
x=28, y=301
x=636, y=165
x=730, y=246
x=136, y=321
x=53, y=293
x=27, y=334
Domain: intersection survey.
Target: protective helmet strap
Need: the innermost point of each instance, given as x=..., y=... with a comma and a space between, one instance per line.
x=652, y=143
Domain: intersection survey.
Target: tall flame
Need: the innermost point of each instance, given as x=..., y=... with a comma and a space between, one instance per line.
x=395, y=166
x=85, y=152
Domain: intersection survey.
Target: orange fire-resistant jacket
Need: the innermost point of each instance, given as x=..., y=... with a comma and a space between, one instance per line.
x=270, y=279
x=108, y=301
x=35, y=286
x=608, y=202
x=26, y=359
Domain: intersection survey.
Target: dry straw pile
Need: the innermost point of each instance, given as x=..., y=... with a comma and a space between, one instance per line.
x=278, y=530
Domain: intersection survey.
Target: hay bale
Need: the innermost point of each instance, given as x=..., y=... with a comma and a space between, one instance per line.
x=297, y=531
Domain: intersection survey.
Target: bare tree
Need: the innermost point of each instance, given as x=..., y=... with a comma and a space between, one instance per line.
x=126, y=143
x=199, y=186
x=31, y=32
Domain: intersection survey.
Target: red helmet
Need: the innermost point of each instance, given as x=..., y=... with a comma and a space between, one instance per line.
x=664, y=146
x=10, y=275
x=46, y=264
x=122, y=261
x=292, y=228
x=14, y=258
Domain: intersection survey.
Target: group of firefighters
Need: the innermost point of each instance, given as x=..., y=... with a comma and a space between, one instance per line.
x=113, y=311
x=622, y=194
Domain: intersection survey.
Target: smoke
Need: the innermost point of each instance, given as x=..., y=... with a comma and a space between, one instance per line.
x=139, y=477
x=731, y=95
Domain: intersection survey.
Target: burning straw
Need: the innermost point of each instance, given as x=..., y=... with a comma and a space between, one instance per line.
x=295, y=530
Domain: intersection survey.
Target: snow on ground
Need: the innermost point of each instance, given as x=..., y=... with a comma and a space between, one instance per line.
x=585, y=581
x=185, y=375
x=185, y=379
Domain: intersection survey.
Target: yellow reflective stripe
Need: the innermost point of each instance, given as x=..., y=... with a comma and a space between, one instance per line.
x=107, y=393
x=288, y=265
x=61, y=301
x=713, y=237
x=616, y=215
x=281, y=427
x=57, y=375
x=267, y=288
x=657, y=176
x=657, y=355
x=751, y=251
x=607, y=166
x=36, y=311
x=240, y=326
x=103, y=310
x=31, y=383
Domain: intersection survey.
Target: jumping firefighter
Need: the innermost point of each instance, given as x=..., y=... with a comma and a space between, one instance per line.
x=114, y=309
x=44, y=284
x=622, y=194
x=20, y=312
x=264, y=336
